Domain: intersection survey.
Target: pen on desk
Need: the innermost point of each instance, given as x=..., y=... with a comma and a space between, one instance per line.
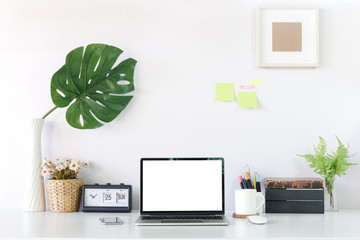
x=248, y=181
x=258, y=186
x=241, y=182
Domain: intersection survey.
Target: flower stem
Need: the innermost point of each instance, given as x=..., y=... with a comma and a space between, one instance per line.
x=332, y=204
x=51, y=110
x=329, y=182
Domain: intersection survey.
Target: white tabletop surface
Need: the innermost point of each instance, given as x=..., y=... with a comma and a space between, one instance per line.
x=14, y=223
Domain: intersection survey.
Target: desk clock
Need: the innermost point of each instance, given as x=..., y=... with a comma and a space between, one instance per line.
x=106, y=198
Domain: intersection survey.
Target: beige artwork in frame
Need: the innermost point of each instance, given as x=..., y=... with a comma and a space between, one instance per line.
x=287, y=36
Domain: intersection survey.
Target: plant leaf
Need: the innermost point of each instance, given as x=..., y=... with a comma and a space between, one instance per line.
x=93, y=86
x=339, y=159
x=319, y=161
x=328, y=165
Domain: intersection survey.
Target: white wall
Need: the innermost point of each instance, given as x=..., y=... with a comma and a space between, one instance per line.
x=183, y=48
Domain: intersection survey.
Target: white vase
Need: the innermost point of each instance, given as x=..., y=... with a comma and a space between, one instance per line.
x=34, y=197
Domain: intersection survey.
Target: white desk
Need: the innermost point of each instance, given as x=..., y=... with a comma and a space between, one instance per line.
x=14, y=223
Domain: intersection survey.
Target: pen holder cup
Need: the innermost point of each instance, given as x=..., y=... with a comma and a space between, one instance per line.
x=248, y=201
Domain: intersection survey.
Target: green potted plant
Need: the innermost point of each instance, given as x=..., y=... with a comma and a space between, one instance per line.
x=93, y=85
x=328, y=165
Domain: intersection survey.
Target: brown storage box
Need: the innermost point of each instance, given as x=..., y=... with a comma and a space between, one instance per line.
x=294, y=195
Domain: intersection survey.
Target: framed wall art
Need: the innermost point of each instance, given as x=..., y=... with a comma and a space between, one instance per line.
x=287, y=36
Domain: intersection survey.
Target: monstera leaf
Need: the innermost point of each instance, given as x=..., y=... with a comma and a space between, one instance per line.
x=93, y=86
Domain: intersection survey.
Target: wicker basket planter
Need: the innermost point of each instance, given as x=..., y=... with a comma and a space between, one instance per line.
x=64, y=195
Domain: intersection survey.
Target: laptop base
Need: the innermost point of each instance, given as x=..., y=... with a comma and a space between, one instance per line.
x=181, y=222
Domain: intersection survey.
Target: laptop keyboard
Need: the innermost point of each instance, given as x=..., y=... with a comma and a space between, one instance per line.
x=181, y=217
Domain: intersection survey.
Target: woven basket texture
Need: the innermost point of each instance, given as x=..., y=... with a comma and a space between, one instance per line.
x=64, y=195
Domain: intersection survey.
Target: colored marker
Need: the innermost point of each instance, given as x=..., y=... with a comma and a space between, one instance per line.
x=244, y=182
x=258, y=186
x=254, y=181
x=241, y=182
x=248, y=180
x=247, y=169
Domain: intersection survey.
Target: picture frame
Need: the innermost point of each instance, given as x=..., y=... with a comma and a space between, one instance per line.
x=287, y=36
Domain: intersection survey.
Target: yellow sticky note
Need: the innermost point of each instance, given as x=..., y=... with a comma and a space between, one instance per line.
x=225, y=91
x=247, y=100
x=255, y=81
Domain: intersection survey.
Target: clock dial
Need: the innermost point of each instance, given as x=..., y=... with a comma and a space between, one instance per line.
x=92, y=197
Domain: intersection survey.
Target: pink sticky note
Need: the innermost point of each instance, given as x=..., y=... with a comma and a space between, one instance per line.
x=246, y=86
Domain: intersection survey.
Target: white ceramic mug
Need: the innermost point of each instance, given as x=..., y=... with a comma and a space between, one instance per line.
x=246, y=201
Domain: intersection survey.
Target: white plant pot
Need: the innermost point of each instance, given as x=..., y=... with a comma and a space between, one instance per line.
x=34, y=197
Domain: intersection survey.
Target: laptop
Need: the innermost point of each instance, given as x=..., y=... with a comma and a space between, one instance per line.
x=182, y=191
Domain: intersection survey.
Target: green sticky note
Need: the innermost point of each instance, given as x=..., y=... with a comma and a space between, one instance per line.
x=247, y=100
x=225, y=91
x=255, y=81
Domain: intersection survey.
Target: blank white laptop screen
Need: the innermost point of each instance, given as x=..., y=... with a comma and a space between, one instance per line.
x=182, y=185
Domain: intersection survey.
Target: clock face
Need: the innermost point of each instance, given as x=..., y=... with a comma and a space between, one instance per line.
x=95, y=197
